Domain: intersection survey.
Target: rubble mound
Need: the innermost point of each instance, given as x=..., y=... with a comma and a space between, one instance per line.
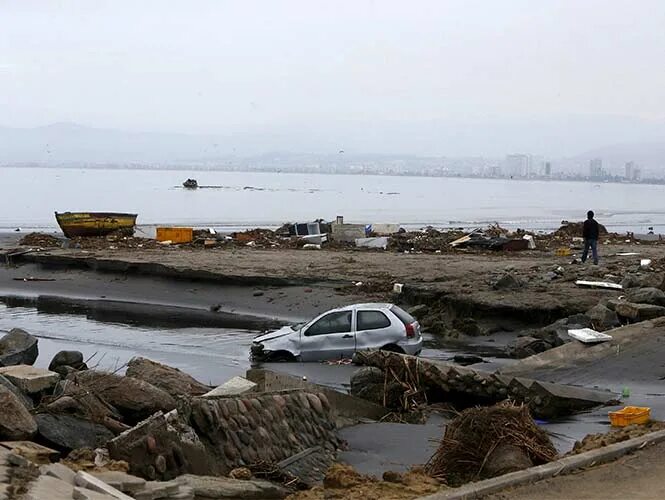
x=571, y=229
x=484, y=442
x=615, y=435
x=343, y=482
x=40, y=240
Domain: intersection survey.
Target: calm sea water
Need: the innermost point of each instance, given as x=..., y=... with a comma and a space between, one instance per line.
x=29, y=196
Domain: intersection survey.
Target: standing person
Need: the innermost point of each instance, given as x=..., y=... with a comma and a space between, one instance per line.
x=590, y=233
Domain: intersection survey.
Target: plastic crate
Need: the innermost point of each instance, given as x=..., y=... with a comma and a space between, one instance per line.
x=175, y=234
x=630, y=415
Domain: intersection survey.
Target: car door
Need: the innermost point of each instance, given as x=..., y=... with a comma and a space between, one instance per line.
x=373, y=330
x=329, y=337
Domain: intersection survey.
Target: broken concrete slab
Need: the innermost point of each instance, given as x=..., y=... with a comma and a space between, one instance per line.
x=86, y=494
x=90, y=482
x=122, y=481
x=49, y=487
x=34, y=452
x=157, y=489
x=232, y=387
x=59, y=471
x=309, y=466
x=210, y=487
x=30, y=379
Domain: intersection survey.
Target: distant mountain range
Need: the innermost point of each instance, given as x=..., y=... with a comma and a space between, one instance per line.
x=65, y=143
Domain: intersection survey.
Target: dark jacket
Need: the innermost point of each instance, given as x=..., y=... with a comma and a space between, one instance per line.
x=590, y=231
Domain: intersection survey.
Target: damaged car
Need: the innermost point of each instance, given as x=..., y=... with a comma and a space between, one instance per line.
x=339, y=333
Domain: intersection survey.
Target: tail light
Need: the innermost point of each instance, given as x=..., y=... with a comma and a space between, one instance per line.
x=410, y=330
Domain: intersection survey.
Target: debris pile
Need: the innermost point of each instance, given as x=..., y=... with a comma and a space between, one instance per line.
x=615, y=435
x=41, y=240
x=343, y=482
x=485, y=442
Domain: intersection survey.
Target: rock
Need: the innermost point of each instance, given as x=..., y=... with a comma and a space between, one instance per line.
x=29, y=379
x=603, y=318
x=241, y=473
x=16, y=422
x=135, y=399
x=169, y=379
x=87, y=494
x=467, y=359
x=652, y=296
x=523, y=347
x=369, y=383
x=506, y=458
x=18, y=347
x=210, y=487
x=638, y=312
x=27, y=402
x=232, y=387
x=467, y=326
x=653, y=280
x=71, y=398
x=69, y=433
x=418, y=311
x=507, y=282
x=630, y=281
x=64, y=360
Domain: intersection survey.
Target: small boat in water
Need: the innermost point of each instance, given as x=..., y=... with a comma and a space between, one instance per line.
x=94, y=223
x=191, y=184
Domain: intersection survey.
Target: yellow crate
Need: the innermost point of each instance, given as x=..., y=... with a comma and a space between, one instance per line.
x=630, y=415
x=175, y=234
x=563, y=252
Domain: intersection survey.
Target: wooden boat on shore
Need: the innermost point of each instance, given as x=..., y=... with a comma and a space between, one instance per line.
x=94, y=223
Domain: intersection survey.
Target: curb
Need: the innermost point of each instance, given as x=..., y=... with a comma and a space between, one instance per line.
x=552, y=469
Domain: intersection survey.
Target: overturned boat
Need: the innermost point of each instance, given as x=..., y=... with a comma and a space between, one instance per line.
x=191, y=184
x=95, y=223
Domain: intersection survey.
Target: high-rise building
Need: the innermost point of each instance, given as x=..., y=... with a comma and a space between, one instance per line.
x=630, y=171
x=596, y=168
x=548, y=169
x=517, y=165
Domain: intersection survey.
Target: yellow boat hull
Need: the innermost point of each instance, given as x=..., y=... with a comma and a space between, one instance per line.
x=94, y=223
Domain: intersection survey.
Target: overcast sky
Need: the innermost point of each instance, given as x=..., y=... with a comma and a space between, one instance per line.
x=223, y=67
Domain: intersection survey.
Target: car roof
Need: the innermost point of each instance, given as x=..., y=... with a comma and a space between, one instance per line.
x=366, y=305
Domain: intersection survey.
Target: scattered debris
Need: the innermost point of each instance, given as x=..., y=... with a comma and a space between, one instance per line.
x=599, y=284
x=589, y=336
x=41, y=240
x=190, y=184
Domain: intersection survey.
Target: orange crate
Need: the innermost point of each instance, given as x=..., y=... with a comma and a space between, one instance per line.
x=630, y=415
x=175, y=234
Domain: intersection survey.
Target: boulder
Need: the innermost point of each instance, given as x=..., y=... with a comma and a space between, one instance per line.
x=523, y=347
x=135, y=399
x=169, y=379
x=65, y=362
x=27, y=402
x=71, y=398
x=18, y=347
x=507, y=282
x=630, y=281
x=653, y=280
x=69, y=433
x=652, y=296
x=638, y=312
x=16, y=422
x=603, y=318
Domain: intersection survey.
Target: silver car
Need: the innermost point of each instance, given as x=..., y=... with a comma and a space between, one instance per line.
x=337, y=334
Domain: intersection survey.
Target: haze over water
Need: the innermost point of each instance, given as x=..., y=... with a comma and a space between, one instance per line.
x=29, y=196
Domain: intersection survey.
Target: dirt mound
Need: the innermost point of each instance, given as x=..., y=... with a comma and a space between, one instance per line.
x=485, y=442
x=112, y=242
x=40, y=240
x=615, y=435
x=343, y=482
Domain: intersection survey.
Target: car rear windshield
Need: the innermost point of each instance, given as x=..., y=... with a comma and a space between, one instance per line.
x=404, y=316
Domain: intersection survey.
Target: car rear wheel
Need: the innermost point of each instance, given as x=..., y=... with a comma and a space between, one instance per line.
x=393, y=348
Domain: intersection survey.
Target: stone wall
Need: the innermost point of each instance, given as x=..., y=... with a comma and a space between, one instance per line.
x=212, y=436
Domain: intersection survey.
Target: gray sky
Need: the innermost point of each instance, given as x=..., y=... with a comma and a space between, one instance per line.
x=226, y=67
